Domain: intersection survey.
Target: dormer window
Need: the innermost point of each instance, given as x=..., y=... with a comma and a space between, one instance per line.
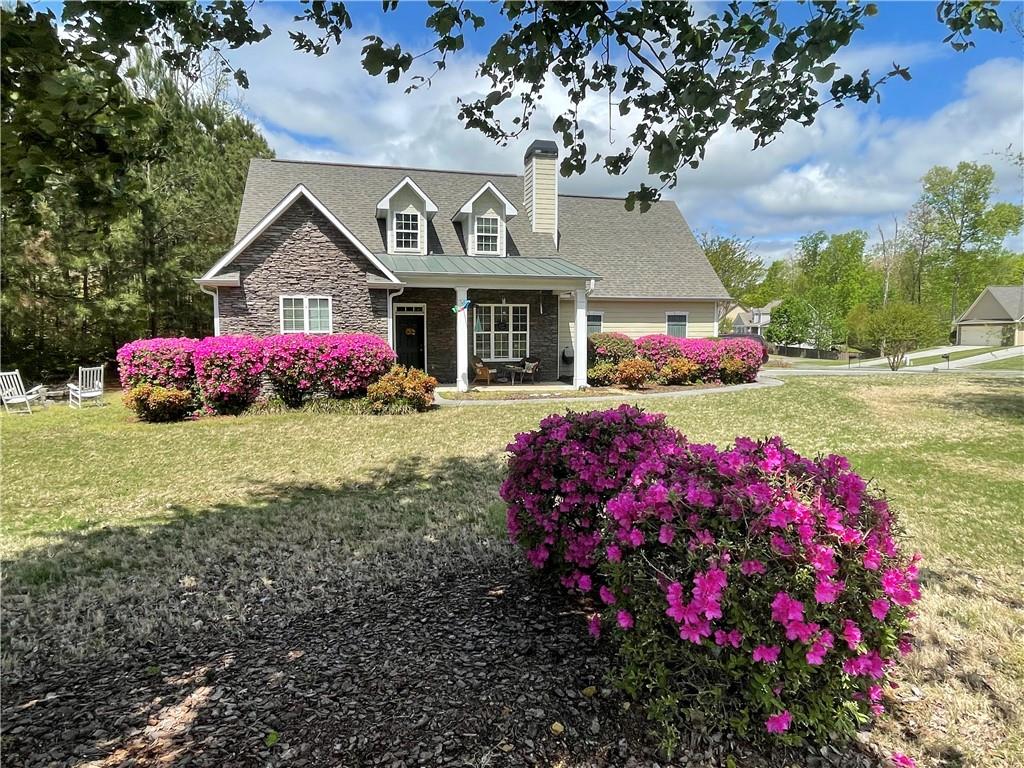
x=406, y=209
x=407, y=231
x=484, y=218
x=487, y=229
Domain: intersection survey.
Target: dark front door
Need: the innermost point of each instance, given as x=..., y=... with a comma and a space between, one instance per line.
x=411, y=340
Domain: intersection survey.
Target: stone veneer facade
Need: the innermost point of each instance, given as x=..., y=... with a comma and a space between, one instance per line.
x=302, y=253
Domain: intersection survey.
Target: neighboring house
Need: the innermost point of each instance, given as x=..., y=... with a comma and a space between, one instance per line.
x=446, y=265
x=755, y=320
x=995, y=318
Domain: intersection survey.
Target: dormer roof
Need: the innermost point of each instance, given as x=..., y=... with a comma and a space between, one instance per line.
x=467, y=208
x=384, y=204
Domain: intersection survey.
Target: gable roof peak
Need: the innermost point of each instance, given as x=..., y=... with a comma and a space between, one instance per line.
x=384, y=204
x=467, y=208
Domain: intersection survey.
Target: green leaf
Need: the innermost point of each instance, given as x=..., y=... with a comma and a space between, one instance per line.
x=272, y=738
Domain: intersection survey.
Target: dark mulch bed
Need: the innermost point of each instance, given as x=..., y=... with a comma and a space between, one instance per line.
x=464, y=670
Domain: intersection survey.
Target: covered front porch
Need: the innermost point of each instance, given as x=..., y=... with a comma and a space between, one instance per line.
x=452, y=313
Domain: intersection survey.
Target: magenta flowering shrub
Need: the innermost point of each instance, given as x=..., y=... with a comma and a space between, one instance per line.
x=228, y=370
x=749, y=586
x=707, y=354
x=339, y=365
x=354, y=361
x=159, y=362
x=561, y=475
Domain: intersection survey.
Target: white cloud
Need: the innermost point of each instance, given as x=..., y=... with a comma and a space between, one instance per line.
x=850, y=169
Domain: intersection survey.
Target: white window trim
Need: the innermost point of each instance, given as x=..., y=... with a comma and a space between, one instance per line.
x=418, y=248
x=491, y=332
x=675, y=314
x=599, y=313
x=305, y=312
x=499, y=240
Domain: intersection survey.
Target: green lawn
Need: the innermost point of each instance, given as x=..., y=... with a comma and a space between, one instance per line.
x=105, y=517
x=1003, y=364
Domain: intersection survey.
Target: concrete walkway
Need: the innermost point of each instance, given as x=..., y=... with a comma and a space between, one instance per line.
x=627, y=397
x=926, y=370
x=988, y=357
x=915, y=355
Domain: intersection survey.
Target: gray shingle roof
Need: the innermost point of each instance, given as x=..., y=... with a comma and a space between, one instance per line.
x=1011, y=298
x=511, y=266
x=650, y=255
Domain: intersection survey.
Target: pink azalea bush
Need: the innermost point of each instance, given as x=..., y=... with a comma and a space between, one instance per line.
x=228, y=370
x=159, y=362
x=707, y=354
x=748, y=586
x=339, y=365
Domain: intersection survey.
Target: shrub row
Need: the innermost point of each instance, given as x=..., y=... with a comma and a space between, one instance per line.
x=612, y=359
x=748, y=587
x=224, y=373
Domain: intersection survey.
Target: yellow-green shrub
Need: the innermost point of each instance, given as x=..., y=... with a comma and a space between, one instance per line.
x=402, y=390
x=678, y=370
x=151, y=403
x=634, y=373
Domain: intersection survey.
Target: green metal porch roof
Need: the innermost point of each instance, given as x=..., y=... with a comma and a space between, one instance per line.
x=485, y=266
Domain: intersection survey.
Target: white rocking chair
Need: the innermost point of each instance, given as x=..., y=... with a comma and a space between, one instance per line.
x=89, y=387
x=13, y=391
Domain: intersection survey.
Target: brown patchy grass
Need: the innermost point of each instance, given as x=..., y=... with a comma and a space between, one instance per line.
x=116, y=533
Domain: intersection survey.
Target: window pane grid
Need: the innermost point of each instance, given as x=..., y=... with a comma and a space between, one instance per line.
x=304, y=314
x=501, y=331
x=486, y=234
x=319, y=316
x=407, y=230
x=593, y=324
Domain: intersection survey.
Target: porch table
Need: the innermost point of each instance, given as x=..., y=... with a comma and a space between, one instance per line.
x=512, y=370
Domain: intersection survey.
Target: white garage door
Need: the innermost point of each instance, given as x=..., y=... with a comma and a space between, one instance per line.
x=982, y=335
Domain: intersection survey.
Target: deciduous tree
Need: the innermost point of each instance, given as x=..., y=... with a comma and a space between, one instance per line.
x=739, y=268
x=678, y=75
x=899, y=328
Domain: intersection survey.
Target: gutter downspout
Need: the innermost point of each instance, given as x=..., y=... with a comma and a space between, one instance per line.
x=391, y=316
x=216, y=307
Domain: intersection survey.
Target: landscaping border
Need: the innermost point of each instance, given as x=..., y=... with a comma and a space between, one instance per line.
x=624, y=398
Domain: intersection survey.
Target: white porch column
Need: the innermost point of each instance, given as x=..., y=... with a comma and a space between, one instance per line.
x=579, y=356
x=461, y=341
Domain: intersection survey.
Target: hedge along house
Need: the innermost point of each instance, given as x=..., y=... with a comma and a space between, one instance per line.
x=447, y=265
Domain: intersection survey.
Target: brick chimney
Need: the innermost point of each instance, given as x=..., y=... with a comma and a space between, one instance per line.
x=540, y=186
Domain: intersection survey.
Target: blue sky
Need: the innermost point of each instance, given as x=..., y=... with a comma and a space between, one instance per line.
x=855, y=167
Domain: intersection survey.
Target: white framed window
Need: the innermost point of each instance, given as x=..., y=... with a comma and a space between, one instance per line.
x=501, y=331
x=306, y=314
x=675, y=324
x=407, y=231
x=595, y=322
x=487, y=231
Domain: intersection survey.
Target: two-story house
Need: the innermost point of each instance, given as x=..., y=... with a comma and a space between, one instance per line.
x=448, y=265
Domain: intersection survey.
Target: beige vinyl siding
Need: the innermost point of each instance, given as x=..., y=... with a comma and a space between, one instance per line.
x=637, y=318
x=541, y=190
